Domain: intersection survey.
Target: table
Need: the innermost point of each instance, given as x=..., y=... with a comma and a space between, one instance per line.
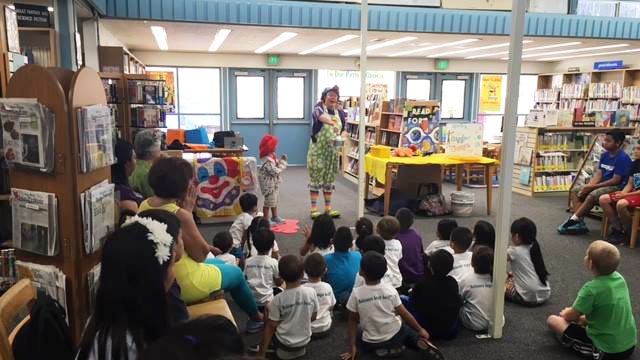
x=382, y=169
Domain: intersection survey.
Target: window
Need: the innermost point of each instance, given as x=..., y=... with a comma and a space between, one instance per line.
x=250, y=97
x=418, y=89
x=453, y=94
x=290, y=95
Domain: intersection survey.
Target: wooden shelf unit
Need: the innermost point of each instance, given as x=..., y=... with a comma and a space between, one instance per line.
x=116, y=59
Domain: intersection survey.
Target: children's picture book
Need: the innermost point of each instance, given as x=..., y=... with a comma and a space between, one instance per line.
x=464, y=140
x=98, y=215
x=525, y=176
x=96, y=132
x=420, y=122
x=35, y=221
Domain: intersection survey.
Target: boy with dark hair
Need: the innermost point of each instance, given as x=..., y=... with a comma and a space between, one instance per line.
x=611, y=175
x=290, y=313
x=380, y=313
x=238, y=230
x=388, y=228
x=443, y=234
x=223, y=241
x=412, y=262
x=476, y=291
x=600, y=323
x=376, y=244
x=461, y=238
x=342, y=265
x=315, y=267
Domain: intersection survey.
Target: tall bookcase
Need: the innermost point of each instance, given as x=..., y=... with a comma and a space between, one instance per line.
x=67, y=182
x=113, y=84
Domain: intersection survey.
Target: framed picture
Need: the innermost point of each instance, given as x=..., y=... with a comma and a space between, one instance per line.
x=13, y=38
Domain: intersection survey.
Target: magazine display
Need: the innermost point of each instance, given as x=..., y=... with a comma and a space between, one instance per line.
x=35, y=221
x=96, y=129
x=93, y=276
x=27, y=133
x=98, y=215
x=47, y=278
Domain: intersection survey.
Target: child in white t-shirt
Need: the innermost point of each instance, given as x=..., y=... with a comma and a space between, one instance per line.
x=249, y=205
x=319, y=236
x=461, y=238
x=260, y=222
x=290, y=313
x=261, y=272
x=388, y=227
x=443, y=234
x=476, y=291
x=223, y=241
x=377, y=308
x=527, y=284
x=315, y=267
x=372, y=243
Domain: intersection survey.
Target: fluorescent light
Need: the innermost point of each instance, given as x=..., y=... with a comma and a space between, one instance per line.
x=161, y=37
x=408, y=52
x=589, y=55
x=285, y=36
x=525, y=50
x=220, y=37
x=380, y=45
x=575, y=50
x=339, y=40
x=474, y=49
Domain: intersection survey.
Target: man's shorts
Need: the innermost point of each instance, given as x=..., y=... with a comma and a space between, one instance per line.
x=595, y=193
x=633, y=200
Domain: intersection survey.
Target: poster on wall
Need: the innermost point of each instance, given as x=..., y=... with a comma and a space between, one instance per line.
x=464, y=140
x=490, y=94
x=13, y=38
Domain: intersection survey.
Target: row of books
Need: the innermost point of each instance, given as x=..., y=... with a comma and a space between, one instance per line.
x=574, y=91
x=28, y=131
x=352, y=167
x=631, y=95
x=546, y=95
x=553, y=183
x=395, y=106
x=570, y=141
x=602, y=105
x=147, y=92
x=395, y=122
x=633, y=110
x=389, y=139
x=570, y=104
x=98, y=215
x=8, y=264
x=556, y=161
x=111, y=91
x=35, y=221
x=353, y=130
x=97, y=135
x=148, y=117
x=605, y=90
x=546, y=106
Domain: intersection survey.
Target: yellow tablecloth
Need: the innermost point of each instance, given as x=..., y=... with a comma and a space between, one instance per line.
x=376, y=166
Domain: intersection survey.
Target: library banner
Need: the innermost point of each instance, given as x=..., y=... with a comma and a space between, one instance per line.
x=490, y=94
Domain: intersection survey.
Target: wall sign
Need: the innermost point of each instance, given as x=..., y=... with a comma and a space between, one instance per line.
x=490, y=94
x=33, y=16
x=608, y=65
x=464, y=140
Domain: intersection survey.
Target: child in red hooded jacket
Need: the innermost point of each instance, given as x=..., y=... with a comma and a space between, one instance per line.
x=270, y=176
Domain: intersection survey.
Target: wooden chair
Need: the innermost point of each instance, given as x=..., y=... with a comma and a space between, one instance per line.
x=635, y=225
x=211, y=307
x=18, y=298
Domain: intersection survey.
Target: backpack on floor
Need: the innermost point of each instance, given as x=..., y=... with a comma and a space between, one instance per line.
x=398, y=201
x=46, y=335
x=432, y=202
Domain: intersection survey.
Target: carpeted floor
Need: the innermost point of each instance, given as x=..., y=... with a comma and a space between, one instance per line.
x=525, y=332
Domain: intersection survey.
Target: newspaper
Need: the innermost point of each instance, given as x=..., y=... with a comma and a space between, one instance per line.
x=93, y=276
x=96, y=129
x=98, y=215
x=48, y=278
x=35, y=221
x=27, y=133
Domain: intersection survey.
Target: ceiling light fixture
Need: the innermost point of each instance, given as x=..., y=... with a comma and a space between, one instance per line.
x=339, y=40
x=380, y=45
x=575, y=50
x=409, y=52
x=220, y=37
x=475, y=49
x=285, y=36
x=525, y=50
x=588, y=55
x=161, y=37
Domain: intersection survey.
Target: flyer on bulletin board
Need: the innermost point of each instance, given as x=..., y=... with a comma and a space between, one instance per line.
x=490, y=94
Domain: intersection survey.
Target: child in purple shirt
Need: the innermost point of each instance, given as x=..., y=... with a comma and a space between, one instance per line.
x=412, y=262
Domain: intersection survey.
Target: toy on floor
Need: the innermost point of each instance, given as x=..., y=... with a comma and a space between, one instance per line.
x=287, y=227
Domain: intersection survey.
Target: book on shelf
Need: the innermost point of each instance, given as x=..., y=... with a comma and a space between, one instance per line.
x=599, y=118
x=93, y=277
x=28, y=130
x=98, y=215
x=553, y=183
x=564, y=141
x=111, y=91
x=148, y=117
x=605, y=90
x=602, y=105
x=47, y=278
x=556, y=161
x=420, y=121
x=546, y=95
x=147, y=92
x=633, y=111
x=35, y=221
x=96, y=137
x=631, y=95
x=574, y=91
x=571, y=104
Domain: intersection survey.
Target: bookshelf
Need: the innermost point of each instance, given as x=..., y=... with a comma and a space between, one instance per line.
x=144, y=104
x=113, y=85
x=116, y=59
x=67, y=182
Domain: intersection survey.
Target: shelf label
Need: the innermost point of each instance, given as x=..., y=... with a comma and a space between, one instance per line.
x=33, y=16
x=608, y=65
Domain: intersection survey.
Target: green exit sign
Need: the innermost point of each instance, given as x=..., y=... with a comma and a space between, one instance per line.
x=442, y=64
x=273, y=60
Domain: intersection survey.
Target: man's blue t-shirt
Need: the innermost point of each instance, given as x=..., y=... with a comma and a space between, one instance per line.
x=342, y=268
x=618, y=164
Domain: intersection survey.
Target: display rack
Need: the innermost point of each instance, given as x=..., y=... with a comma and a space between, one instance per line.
x=350, y=155
x=33, y=81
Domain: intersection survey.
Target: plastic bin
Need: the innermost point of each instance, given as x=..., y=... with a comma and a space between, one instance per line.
x=462, y=203
x=197, y=136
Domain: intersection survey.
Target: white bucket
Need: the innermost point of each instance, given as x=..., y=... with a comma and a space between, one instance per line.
x=462, y=203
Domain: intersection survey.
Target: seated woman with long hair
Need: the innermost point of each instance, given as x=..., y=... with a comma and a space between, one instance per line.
x=137, y=270
x=128, y=199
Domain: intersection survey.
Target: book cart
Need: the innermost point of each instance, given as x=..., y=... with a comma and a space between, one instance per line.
x=66, y=181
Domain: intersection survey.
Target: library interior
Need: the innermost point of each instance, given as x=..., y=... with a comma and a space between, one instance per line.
x=319, y=179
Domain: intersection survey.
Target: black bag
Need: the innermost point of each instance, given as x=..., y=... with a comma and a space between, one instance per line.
x=218, y=137
x=46, y=335
x=398, y=201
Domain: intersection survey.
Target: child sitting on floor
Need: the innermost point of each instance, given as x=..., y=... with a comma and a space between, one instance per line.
x=270, y=176
x=528, y=284
x=315, y=267
x=372, y=243
x=319, y=236
x=258, y=223
x=460, y=242
x=600, y=323
x=484, y=234
x=388, y=228
x=387, y=327
x=443, y=233
x=223, y=241
x=476, y=291
x=412, y=263
x=261, y=271
x=435, y=300
x=290, y=313
x=249, y=205
x=343, y=265
x=364, y=228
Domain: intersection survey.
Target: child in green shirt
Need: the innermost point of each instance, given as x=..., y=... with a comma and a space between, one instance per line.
x=600, y=322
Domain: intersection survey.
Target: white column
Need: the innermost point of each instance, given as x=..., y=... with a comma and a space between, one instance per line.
x=506, y=167
x=364, y=24
x=90, y=41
